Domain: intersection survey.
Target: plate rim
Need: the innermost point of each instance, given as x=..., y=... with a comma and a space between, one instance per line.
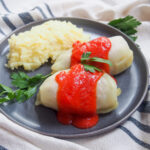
x=99, y=131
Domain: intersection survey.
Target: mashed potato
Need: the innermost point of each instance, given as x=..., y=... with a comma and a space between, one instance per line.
x=33, y=48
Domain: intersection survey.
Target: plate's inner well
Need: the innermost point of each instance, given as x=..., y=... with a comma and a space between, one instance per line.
x=133, y=83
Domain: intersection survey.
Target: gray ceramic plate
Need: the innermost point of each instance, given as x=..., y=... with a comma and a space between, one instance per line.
x=133, y=82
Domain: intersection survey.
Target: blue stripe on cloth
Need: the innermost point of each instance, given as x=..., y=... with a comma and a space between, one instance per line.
x=41, y=11
x=133, y=137
x=26, y=17
x=141, y=126
x=4, y=5
x=2, y=32
x=49, y=10
x=9, y=23
x=149, y=87
x=2, y=148
x=144, y=107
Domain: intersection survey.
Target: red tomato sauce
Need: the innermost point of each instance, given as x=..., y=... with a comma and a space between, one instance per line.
x=76, y=97
x=99, y=47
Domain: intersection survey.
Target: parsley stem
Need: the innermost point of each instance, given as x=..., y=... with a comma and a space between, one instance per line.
x=46, y=76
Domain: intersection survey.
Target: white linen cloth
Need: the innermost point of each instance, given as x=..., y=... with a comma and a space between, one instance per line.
x=134, y=134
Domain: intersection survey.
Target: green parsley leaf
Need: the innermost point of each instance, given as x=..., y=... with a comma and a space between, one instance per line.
x=20, y=80
x=101, y=60
x=5, y=88
x=6, y=93
x=33, y=81
x=31, y=91
x=23, y=95
x=86, y=58
x=4, y=99
x=20, y=95
x=127, y=25
x=91, y=68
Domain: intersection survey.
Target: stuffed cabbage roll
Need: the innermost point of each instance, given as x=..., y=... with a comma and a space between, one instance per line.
x=120, y=55
x=106, y=93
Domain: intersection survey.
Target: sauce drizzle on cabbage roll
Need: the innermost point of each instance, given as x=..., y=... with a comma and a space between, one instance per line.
x=99, y=47
x=76, y=97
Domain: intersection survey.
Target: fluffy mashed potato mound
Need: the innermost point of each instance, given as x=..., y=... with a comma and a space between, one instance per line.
x=33, y=48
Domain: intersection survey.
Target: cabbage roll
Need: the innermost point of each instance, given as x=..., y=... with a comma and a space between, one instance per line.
x=106, y=93
x=120, y=55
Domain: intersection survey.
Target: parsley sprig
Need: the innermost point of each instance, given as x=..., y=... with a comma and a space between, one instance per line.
x=6, y=93
x=86, y=58
x=127, y=25
x=26, y=87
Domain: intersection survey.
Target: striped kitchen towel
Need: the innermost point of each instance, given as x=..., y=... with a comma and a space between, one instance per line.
x=134, y=134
